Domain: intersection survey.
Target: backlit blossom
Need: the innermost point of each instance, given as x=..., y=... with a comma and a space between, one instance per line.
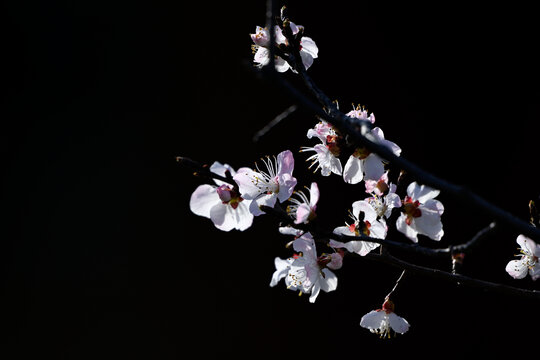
x=222, y=203
x=261, y=42
x=421, y=213
x=326, y=154
x=371, y=226
x=265, y=187
x=363, y=164
x=303, y=209
x=384, y=321
x=361, y=113
x=528, y=262
x=306, y=272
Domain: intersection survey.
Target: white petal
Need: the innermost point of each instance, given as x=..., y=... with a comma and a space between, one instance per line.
x=363, y=206
x=421, y=193
x=267, y=200
x=220, y=169
x=378, y=229
x=309, y=46
x=372, y=320
x=281, y=65
x=313, y=194
x=203, y=199
x=517, y=269
x=373, y=167
x=282, y=268
x=218, y=216
x=359, y=247
x=244, y=218
x=329, y=282
x=398, y=324
x=354, y=170
x=245, y=178
x=429, y=223
x=405, y=229
x=287, y=183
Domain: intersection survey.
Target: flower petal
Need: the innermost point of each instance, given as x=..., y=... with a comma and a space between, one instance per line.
x=422, y=193
x=407, y=230
x=354, y=170
x=203, y=199
x=372, y=320
x=398, y=324
x=517, y=269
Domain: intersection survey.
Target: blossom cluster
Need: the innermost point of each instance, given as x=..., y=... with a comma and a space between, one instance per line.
x=413, y=209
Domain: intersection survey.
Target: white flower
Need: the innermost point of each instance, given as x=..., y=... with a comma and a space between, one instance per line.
x=381, y=203
x=363, y=164
x=370, y=226
x=261, y=39
x=264, y=188
x=221, y=204
x=303, y=210
x=381, y=321
x=306, y=272
x=421, y=213
x=528, y=262
x=326, y=155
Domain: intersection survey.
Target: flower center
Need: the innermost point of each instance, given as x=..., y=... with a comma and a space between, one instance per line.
x=411, y=209
x=361, y=153
x=332, y=144
x=229, y=196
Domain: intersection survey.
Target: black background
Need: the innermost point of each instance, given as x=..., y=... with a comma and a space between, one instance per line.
x=100, y=255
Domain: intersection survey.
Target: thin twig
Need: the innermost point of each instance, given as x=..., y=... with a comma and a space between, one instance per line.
x=454, y=278
x=274, y=122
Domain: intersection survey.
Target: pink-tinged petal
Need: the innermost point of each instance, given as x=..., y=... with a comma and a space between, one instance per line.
x=302, y=214
x=203, y=199
x=336, y=261
x=280, y=38
x=407, y=230
x=354, y=170
x=314, y=195
x=373, y=320
x=397, y=323
x=260, y=37
x=305, y=244
x=245, y=178
x=309, y=46
x=373, y=167
x=287, y=183
x=285, y=163
x=378, y=137
x=392, y=200
x=336, y=244
x=289, y=230
x=517, y=269
x=422, y=193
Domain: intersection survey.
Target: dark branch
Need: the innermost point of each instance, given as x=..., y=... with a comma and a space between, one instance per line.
x=357, y=132
x=454, y=278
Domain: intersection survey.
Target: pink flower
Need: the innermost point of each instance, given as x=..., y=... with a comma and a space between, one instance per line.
x=361, y=113
x=326, y=154
x=421, y=213
x=382, y=321
x=266, y=187
x=303, y=210
x=363, y=164
x=222, y=204
x=528, y=261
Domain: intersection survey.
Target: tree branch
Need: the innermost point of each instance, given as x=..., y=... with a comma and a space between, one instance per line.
x=358, y=133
